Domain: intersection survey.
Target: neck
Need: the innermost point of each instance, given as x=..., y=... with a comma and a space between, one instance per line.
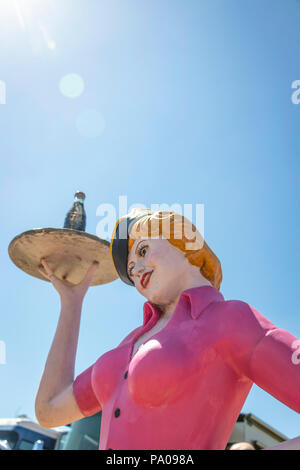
x=168, y=309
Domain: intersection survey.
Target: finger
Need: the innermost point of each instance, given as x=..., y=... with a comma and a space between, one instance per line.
x=46, y=267
x=43, y=273
x=46, y=271
x=90, y=273
x=50, y=277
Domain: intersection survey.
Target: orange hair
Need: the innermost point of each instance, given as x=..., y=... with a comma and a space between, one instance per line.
x=183, y=235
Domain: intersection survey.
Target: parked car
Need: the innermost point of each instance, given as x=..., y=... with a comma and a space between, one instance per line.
x=25, y=434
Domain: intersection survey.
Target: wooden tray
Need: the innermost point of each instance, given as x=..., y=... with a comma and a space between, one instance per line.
x=68, y=252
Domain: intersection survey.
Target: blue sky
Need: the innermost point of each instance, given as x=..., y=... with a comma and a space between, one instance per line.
x=183, y=102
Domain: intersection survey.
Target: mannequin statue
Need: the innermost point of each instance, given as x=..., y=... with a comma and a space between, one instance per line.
x=178, y=381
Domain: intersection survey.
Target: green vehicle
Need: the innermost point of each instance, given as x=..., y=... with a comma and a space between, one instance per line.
x=83, y=434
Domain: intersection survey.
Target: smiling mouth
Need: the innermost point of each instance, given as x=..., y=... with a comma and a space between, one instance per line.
x=145, y=279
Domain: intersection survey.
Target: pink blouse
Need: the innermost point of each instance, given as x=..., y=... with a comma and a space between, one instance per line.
x=186, y=385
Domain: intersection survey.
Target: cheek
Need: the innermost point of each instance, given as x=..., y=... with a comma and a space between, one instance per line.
x=156, y=258
x=165, y=266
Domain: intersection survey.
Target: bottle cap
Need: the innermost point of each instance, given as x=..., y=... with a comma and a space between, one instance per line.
x=80, y=194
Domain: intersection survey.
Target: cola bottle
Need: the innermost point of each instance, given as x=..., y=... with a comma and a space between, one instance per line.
x=76, y=217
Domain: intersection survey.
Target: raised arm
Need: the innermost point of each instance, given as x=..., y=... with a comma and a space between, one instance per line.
x=55, y=403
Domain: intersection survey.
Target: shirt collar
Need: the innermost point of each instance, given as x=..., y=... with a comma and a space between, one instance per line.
x=197, y=299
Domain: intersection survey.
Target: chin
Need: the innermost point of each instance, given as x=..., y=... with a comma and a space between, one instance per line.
x=161, y=297
x=153, y=296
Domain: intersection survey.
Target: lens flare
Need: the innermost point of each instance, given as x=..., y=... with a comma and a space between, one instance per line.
x=71, y=85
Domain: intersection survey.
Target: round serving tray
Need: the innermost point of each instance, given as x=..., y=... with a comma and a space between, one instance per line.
x=69, y=253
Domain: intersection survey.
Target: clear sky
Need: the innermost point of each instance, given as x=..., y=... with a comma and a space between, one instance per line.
x=172, y=102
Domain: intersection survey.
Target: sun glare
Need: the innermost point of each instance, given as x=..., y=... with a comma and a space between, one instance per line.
x=26, y=15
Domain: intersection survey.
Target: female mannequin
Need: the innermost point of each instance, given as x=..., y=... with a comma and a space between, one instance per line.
x=180, y=380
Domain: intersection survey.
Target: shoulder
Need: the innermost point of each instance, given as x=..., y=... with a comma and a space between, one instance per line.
x=239, y=321
x=238, y=311
x=238, y=329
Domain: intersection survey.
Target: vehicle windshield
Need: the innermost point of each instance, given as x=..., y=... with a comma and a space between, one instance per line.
x=10, y=436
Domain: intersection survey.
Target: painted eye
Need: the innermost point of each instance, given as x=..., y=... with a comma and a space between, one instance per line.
x=142, y=250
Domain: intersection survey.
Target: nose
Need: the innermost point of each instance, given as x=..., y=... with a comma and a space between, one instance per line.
x=138, y=269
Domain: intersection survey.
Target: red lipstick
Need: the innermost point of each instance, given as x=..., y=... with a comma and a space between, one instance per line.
x=144, y=276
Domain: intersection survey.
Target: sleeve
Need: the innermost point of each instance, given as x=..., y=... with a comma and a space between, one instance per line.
x=275, y=367
x=267, y=355
x=84, y=393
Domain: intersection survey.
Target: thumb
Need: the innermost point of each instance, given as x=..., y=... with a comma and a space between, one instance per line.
x=90, y=274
